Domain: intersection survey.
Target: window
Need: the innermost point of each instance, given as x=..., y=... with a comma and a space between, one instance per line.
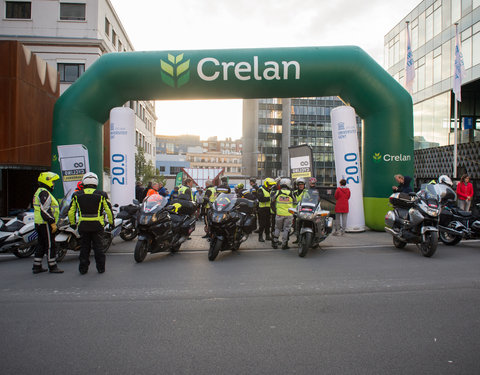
x=18, y=9
x=70, y=72
x=72, y=12
x=161, y=168
x=114, y=38
x=107, y=27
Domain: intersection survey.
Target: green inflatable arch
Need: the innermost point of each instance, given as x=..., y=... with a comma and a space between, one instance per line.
x=346, y=71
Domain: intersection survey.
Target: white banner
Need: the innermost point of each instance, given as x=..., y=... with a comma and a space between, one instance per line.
x=347, y=163
x=122, y=155
x=73, y=165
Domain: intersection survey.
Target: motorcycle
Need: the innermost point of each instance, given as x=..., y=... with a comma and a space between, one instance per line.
x=18, y=235
x=456, y=225
x=68, y=238
x=414, y=218
x=129, y=215
x=160, y=228
x=230, y=222
x=313, y=223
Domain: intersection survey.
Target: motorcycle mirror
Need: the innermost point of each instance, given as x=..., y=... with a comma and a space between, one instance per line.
x=135, y=201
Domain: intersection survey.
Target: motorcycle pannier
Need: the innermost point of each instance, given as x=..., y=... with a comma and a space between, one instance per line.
x=401, y=200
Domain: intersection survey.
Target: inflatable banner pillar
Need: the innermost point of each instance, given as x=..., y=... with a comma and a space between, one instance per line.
x=347, y=163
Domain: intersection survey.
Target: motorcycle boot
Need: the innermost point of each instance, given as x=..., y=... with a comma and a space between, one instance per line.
x=267, y=236
x=38, y=269
x=285, y=246
x=275, y=242
x=260, y=238
x=55, y=269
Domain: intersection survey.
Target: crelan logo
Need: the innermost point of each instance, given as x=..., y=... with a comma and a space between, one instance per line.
x=175, y=73
x=377, y=157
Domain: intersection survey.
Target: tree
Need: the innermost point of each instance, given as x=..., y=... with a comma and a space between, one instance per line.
x=146, y=171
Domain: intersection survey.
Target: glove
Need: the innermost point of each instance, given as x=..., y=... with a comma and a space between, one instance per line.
x=54, y=227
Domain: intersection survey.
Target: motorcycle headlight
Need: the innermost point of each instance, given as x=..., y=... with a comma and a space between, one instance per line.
x=219, y=217
x=432, y=212
x=306, y=215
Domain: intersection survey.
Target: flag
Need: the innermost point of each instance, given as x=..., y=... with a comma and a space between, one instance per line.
x=459, y=68
x=409, y=65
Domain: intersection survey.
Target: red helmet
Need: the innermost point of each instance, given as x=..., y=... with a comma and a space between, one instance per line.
x=312, y=181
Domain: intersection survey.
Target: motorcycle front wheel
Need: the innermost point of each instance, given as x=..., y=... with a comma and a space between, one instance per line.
x=305, y=243
x=214, y=249
x=141, y=250
x=449, y=239
x=25, y=252
x=429, y=246
x=106, y=241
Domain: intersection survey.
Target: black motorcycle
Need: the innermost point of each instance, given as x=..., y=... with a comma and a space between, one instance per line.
x=230, y=222
x=414, y=219
x=313, y=223
x=456, y=225
x=129, y=216
x=160, y=228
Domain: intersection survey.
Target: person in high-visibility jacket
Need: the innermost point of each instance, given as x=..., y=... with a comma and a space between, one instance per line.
x=299, y=193
x=45, y=213
x=186, y=189
x=282, y=201
x=92, y=205
x=263, y=197
x=208, y=199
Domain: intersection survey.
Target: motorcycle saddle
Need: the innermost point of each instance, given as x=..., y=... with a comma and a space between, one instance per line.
x=464, y=213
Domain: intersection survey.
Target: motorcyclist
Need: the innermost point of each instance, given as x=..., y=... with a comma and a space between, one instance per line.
x=223, y=188
x=186, y=189
x=208, y=200
x=91, y=205
x=282, y=201
x=263, y=197
x=46, y=212
x=253, y=186
x=298, y=194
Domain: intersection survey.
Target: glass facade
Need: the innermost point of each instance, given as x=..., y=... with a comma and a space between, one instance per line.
x=270, y=129
x=432, y=30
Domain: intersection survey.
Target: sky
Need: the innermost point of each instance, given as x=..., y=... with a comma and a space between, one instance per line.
x=157, y=25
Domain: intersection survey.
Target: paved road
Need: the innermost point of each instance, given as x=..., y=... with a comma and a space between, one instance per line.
x=356, y=306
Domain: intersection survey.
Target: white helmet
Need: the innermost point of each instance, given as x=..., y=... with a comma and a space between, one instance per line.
x=286, y=182
x=443, y=179
x=90, y=178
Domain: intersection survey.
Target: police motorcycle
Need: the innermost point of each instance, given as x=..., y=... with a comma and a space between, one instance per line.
x=414, y=218
x=313, y=223
x=230, y=222
x=163, y=227
x=18, y=235
x=456, y=225
x=68, y=238
x=129, y=216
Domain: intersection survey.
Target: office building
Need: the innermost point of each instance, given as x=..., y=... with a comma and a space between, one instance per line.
x=71, y=36
x=432, y=30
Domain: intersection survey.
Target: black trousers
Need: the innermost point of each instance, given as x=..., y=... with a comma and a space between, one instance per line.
x=46, y=246
x=87, y=241
x=264, y=220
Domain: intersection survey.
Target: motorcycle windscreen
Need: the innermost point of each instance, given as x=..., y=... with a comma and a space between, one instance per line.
x=225, y=202
x=154, y=203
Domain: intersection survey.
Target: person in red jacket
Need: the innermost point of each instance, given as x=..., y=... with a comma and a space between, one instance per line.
x=342, y=195
x=464, y=193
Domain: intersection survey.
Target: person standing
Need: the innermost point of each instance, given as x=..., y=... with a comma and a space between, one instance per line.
x=253, y=186
x=199, y=200
x=139, y=191
x=161, y=190
x=174, y=194
x=263, y=197
x=153, y=190
x=464, y=193
x=282, y=201
x=298, y=194
x=223, y=187
x=186, y=189
x=91, y=204
x=45, y=214
x=342, y=195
